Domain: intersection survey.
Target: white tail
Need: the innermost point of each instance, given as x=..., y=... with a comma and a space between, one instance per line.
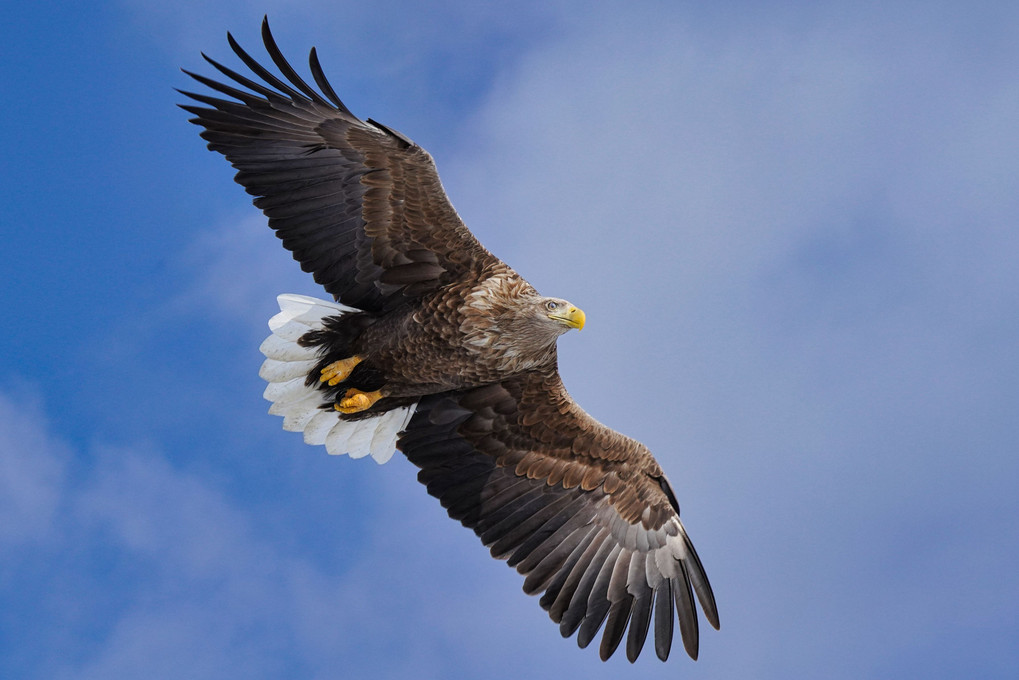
x=287, y=365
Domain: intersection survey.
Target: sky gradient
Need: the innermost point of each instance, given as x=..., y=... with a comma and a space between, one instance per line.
x=794, y=228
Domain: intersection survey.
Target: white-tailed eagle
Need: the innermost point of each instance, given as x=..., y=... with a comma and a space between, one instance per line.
x=437, y=348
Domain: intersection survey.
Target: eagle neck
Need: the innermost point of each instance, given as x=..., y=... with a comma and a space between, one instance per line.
x=499, y=327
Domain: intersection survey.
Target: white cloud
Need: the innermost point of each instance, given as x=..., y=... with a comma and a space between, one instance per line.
x=160, y=573
x=237, y=268
x=795, y=245
x=796, y=237
x=32, y=471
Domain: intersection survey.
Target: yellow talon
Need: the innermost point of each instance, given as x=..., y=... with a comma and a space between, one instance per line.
x=338, y=371
x=356, y=401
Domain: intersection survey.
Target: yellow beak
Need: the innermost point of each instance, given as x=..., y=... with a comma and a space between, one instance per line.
x=573, y=317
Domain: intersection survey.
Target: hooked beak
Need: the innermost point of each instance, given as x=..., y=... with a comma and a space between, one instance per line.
x=572, y=317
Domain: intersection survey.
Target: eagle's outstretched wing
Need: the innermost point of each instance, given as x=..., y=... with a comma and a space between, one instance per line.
x=359, y=205
x=585, y=513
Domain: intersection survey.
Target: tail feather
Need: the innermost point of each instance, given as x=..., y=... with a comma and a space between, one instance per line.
x=339, y=435
x=382, y=445
x=273, y=370
x=359, y=444
x=289, y=392
x=291, y=331
x=286, y=368
x=281, y=349
x=317, y=429
x=304, y=309
x=298, y=413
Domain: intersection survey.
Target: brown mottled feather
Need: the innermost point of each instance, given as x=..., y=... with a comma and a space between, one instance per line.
x=583, y=512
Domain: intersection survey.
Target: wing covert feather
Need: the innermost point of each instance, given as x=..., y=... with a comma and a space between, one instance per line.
x=583, y=512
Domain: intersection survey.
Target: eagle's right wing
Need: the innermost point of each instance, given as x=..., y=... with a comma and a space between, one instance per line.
x=359, y=205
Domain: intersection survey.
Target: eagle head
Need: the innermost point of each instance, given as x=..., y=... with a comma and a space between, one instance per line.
x=562, y=314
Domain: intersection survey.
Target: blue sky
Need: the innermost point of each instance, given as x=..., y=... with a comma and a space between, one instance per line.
x=794, y=229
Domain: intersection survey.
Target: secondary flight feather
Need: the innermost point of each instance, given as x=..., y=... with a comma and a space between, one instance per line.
x=435, y=347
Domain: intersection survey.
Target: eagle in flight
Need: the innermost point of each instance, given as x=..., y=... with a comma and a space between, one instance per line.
x=436, y=347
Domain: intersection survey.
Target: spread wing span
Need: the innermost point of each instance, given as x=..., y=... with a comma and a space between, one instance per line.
x=441, y=350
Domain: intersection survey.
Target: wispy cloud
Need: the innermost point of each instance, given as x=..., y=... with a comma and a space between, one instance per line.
x=797, y=237
x=206, y=589
x=787, y=244
x=203, y=590
x=32, y=473
x=793, y=233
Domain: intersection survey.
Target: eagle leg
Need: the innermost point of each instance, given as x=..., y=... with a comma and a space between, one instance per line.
x=356, y=401
x=338, y=371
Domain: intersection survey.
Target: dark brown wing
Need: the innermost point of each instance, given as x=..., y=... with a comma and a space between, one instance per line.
x=582, y=511
x=359, y=205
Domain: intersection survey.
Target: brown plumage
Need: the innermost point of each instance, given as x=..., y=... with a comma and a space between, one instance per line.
x=441, y=330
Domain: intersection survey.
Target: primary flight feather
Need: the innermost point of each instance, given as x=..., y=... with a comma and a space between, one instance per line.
x=437, y=348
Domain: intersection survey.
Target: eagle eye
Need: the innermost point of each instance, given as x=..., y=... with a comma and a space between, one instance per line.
x=551, y=305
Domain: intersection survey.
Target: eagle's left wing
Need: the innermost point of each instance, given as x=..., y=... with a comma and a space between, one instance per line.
x=583, y=512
